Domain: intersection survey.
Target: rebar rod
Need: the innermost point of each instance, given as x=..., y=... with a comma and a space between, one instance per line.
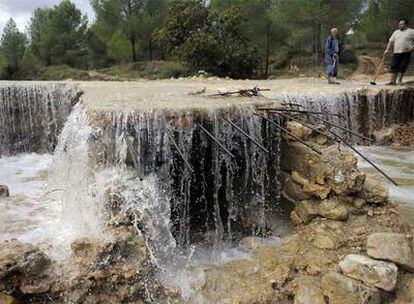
x=306, y=125
x=216, y=141
x=289, y=133
x=179, y=150
x=340, y=127
x=248, y=136
x=364, y=157
x=298, y=111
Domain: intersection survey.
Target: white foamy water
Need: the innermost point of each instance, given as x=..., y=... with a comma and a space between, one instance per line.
x=399, y=165
x=29, y=209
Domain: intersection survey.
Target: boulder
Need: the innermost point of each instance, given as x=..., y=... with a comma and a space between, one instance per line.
x=324, y=241
x=4, y=191
x=294, y=191
x=6, y=299
x=405, y=289
x=375, y=191
x=307, y=211
x=319, y=191
x=343, y=290
x=298, y=129
x=372, y=272
x=19, y=263
x=359, y=203
x=296, y=220
x=297, y=178
x=309, y=291
x=333, y=209
x=384, y=136
x=394, y=247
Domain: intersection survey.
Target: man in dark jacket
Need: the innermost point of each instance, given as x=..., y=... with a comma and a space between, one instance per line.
x=332, y=48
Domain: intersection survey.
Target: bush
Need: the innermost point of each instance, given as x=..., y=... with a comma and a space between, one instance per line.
x=148, y=70
x=61, y=72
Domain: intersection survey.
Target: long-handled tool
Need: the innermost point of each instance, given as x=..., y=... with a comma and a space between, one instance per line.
x=378, y=70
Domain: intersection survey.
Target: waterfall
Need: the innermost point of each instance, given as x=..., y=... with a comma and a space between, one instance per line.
x=362, y=111
x=224, y=194
x=32, y=115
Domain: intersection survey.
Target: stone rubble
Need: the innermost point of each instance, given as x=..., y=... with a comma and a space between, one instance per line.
x=394, y=247
x=340, y=212
x=372, y=272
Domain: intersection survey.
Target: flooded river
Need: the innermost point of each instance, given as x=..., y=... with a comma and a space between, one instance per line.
x=398, y=163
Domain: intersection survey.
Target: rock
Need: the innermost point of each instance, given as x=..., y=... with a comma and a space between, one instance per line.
x=34, y=287
x=319, y=191
x=4, y=191
x=20, y=262
x=384, y=136
x=324, y=241
x=343, y=290
x=334, y=210
x=297, y=178
x=359, y=203
x=372, y=272
x=307, y=211
x=298, y=129
x=6, y=299
x=405, y=289
x=309, y=291
x=394, y=247
x=374, y=191
x=294, y=191
x=296, y=220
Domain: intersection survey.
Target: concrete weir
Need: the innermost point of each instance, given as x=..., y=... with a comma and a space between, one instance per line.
x=159, y=128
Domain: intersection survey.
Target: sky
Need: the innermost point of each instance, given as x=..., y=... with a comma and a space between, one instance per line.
x=21, y=10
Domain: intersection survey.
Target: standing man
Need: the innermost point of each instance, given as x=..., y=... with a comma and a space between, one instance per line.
x=403, y=42
x=332, y=48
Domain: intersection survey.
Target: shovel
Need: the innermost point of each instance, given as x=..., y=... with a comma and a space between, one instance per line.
x=378, y=70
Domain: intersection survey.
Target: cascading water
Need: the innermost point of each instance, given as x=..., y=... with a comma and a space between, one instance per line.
x=362, y=111
x=205, y=200
x=32, y=115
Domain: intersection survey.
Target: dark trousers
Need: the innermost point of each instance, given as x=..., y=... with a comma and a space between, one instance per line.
x=399, y=62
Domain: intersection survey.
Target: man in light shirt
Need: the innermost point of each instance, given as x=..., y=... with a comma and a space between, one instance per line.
x=403, y=42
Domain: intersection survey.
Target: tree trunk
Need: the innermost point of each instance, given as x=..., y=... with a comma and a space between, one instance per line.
x=267, y=53
x=150, y=49
x=133, y=49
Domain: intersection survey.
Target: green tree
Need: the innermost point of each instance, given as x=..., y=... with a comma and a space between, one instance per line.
x=13, y=45
x=306, y=23
x=137, y=19
x=207, y=39
x=58, y=35
x=381, y=19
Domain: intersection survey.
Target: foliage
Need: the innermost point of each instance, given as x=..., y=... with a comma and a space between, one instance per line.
x=58, y=35
x=12, y=46
x=208, y=40
x=147, y=70
x=133, y=20
x=381, y=19
x=237, y=38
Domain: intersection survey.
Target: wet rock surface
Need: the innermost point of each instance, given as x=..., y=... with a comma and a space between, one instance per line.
x=4, y=191
x=23, y=269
